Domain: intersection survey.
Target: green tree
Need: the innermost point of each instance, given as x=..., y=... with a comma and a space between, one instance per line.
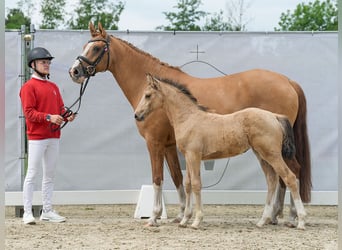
x=104, y=11
x=15, y=18
x=215, y=22
x=27, y=7
x=236, y=14
x=52, y=13
x=187, y=16
x=316, y=16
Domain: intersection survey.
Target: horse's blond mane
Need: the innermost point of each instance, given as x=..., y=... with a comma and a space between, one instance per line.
x=184, y=90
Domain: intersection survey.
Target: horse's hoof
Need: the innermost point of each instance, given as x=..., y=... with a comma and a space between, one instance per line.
x=260, y=224
x=182, y=225
x=176, y=220
x=151, y=224
x=194, y=227
x=301, y=227
x=273, y=222
x=290, y=224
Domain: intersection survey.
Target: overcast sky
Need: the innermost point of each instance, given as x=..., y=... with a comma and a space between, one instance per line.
x=262, y=15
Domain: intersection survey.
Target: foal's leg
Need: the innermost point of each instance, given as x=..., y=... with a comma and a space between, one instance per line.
x=272, y=181
x=188, y=208
x=177, y=177
x=281, y=191
x=295, y=168
x=193, y=162
x=293, y=212
x=290, y=180
x=196, y=186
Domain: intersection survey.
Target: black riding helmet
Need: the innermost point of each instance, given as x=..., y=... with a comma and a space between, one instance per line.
x=38, y=53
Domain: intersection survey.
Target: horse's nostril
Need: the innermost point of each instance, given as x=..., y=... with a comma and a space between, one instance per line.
x=75, y=72
x=138, y=118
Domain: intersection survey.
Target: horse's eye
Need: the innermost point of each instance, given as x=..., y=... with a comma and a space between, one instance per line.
x=96, y=49
x=147, y=96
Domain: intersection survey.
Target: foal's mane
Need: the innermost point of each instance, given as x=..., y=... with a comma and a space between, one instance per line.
x=184, y=90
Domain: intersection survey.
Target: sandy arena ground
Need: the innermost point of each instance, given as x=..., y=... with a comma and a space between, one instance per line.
x=224, y=227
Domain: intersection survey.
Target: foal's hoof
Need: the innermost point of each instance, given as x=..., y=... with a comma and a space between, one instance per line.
x=259, y=225
x=194, y=227
x=151, y=224
x=301, y=225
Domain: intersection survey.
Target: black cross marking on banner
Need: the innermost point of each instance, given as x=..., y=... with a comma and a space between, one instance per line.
x=197, y=51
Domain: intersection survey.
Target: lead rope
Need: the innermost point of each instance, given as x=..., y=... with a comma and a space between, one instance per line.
x=68, y=112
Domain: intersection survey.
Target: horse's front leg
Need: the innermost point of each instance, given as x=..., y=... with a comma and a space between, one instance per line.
x=188, y=208
x=272, y=181
x=157, y=152
x=196, y=189
x=177, y=177
x=193, y=164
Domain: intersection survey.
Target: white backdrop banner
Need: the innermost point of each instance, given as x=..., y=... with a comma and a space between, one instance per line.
x=102, y=149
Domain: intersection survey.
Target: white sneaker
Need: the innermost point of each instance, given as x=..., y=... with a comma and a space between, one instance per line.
x=52, y=216
x=28, y=219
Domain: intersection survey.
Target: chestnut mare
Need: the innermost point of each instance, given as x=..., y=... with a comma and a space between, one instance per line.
x=254, y=88
x=201, y=135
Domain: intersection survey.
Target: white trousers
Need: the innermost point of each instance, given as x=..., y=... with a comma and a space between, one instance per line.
x=41, y=153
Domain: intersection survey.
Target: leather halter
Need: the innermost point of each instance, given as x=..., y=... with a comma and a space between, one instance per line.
x=90, y=70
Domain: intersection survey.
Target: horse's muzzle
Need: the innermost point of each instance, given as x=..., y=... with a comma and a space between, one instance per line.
x=76, y=74
x=139, y=118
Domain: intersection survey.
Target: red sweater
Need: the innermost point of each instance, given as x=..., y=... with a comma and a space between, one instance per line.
x=39, y=98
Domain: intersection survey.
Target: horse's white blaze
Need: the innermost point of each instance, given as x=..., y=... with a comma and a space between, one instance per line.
x=84, y=53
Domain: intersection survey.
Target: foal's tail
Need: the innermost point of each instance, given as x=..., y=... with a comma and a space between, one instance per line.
x=289, y=148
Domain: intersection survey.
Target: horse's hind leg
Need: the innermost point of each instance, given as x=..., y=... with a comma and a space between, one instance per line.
x=177, y=177
x=278, y=205
x=280, y=197
x=290, y=180
x=272, y=180
x=295, y=168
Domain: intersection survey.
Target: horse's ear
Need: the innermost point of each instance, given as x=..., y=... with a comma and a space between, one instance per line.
x=152, y=81
x=92, y=29
x=149, y=78
x=102, y=31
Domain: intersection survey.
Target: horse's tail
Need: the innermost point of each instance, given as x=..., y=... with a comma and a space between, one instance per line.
x=302, y=145
x=288, y=148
